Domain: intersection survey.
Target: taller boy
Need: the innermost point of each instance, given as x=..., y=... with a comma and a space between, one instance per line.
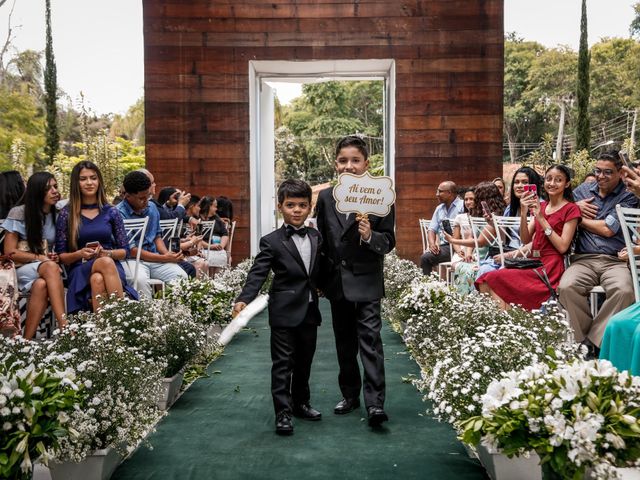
x=352, y=256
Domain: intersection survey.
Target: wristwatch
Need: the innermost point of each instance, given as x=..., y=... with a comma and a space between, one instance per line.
x=548, y=231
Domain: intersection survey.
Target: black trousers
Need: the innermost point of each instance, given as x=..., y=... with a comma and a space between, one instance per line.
x=292, y=350
x=428, y=260
x=356, y=327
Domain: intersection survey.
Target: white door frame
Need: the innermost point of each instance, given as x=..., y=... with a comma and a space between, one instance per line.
x=261, y=122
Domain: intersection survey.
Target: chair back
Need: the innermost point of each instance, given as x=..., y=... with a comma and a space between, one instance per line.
x=207, y=231
x=508, y=232
x=630, y=222
x=230, y=242
x=168, y=228
x=1, y=235
x=136, y=228
x=424, y=231
x=480, y=228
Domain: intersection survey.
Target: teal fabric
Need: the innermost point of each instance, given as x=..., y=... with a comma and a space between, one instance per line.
x=621, y=341
x=223, y=426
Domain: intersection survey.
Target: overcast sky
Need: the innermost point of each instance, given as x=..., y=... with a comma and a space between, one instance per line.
x=99, y=44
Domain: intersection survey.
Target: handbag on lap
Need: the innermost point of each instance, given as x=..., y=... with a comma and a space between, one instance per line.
x=523, y=263
x=9, y=308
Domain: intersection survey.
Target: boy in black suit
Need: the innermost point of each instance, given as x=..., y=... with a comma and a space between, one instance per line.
x=352, y=264
x=292, y=253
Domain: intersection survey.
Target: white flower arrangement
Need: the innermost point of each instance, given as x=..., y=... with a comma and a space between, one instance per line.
x=35, y=410
x=209, y=300
x=163, y=332
x=579, y=416
x=122, y=385
x=399, y=274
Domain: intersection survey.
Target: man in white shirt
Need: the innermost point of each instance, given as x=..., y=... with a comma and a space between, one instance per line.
x=450, y=206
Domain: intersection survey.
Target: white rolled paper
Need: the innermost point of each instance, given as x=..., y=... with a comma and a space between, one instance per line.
x=242, y=319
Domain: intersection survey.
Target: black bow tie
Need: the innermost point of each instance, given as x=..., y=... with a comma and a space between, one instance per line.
x=301, y=231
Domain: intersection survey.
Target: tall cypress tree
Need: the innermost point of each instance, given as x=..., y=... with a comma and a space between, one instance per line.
x=583, y=132
x=51, y=93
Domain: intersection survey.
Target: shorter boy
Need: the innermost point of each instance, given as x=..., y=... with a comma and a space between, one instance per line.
x=291, y=252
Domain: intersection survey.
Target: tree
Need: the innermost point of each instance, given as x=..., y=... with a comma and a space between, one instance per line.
x=583, y=132
x=131, y=124
x=51, y=93
x=522, y=123
x=634, y=29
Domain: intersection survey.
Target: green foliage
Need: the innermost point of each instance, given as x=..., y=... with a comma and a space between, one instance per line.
x=51, y=93
x=313, y=123
x=583, y=133
x=131, y=125
x=34, y=409
x=542, y=158
x=20, y=120
x=581, y=163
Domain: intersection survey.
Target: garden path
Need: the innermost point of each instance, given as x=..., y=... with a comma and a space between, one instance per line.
x=223, y=426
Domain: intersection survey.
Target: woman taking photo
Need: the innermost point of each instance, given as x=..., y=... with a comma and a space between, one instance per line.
x=91, y=240
x=551, y=230
x=217, y=256
x=30, y=232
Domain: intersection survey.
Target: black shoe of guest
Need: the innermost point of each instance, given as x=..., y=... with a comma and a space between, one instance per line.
x=346, y=405
x=376, y=416
x=307, y=412
x=284, y=424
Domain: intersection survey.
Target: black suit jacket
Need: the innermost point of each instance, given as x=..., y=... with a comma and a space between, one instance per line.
x=291, y=285
x=352, y=269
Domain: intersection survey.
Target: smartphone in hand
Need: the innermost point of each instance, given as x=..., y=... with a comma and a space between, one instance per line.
x=625, y=160
x=174, y=244
x=485, y=207
x=530, y=187
x=93, y=245
x=446, y=226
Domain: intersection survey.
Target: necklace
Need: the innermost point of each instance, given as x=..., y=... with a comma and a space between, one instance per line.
x=90, y=206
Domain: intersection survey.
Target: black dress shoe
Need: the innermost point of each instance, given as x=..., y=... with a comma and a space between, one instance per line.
x=284, y=425
x=346, y=405
x=376, y=416
x=306, y=412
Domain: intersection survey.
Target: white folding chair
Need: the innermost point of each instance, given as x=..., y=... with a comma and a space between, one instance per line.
x=230, y=242
x=424, y=231
x=136, y=228
x=168, y=228
x=480, y=228
x=630, y=222
x=507, y=232
x=1, y=232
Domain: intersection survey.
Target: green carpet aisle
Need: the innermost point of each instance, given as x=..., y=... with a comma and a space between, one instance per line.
x=223, y=426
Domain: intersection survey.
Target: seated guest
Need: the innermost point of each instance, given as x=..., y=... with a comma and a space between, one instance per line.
x=30, y=237
x=225, y=210
x=155, y=260
x=551, y=231
x=621, y=341
x=502, y=188
x=450, y=206
x=513, y=246
x=590, y=178
x=488, y=193
x=462, y=259
x=216, y=253
x=11, y=191
x=172, y=203
x=91, y=240
x=595, y=261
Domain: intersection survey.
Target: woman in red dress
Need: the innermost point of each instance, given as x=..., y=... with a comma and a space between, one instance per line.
x=552, y=227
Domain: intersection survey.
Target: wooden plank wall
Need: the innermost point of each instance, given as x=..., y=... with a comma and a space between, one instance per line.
x=449, y=62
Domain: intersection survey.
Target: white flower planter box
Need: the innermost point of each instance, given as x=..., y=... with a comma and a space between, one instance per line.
x=628, y=473
x=100, y=465
x=170, y=390
x=501, y=467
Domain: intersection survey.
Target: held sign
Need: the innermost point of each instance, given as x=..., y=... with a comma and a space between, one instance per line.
x=364, y=194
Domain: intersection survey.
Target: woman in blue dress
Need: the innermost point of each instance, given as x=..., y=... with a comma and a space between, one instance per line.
x=30, y=228
x=91, y=240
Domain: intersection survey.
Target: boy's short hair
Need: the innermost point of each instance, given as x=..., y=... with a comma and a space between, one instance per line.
x=136, y=182
x=353, y=141
x=294, y=189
